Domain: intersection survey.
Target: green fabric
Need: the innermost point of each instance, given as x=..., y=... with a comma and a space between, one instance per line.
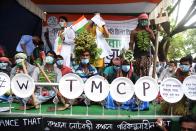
x=51, y=75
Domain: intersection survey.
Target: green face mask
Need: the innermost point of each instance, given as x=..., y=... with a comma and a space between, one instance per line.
x=143, y=22
x=19, y=62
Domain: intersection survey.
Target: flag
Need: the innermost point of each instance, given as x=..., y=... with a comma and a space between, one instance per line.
x=80, y=23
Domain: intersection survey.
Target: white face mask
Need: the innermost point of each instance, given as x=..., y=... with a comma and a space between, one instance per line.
x=62, y=24
x=3, y=65
x=49, y=60
x=126, y=68
x=85, y=61
x=60, y=62
x=19, y=61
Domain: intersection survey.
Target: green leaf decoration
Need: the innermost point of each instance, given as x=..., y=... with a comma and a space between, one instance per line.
x=143, y=40
x=85, y=41
x=127, y=55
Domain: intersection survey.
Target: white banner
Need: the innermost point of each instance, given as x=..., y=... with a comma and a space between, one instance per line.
x=119, y=34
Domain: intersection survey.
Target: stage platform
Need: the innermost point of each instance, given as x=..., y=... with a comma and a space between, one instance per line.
x=94, y=117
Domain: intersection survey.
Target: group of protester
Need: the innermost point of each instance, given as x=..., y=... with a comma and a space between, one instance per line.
x=50, y=66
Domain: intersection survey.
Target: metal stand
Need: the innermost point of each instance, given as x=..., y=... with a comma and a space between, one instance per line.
x=86, y=110
x=10, y=100
x=55, y=101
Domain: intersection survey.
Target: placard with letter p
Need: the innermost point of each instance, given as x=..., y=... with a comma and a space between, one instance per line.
x=146, y=88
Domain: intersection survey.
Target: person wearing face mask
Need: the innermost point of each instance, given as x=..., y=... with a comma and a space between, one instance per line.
x=23, y=66
x=64, y=43
x=43, y=94
x=169, y=71
x=184, y=69
x=19, y=68
x=184, y=105
x=140, y=43
x=64, y=69
x=85, y=70
x=113, y=71
x=5, y=65
x=121, y=67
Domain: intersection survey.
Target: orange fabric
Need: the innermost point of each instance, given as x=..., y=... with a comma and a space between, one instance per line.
x=99, y=63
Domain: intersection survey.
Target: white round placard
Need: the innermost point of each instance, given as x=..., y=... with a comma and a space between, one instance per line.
x=121, y=89
x=171, y=90
x=4, y=83
x=189, y=87
x=71, y=86
x=96, y=88
x=146, y=88
x=22, y=85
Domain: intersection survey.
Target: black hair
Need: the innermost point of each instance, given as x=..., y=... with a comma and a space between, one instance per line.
x=175, y=62
x=188, y=58
x=51, y=52
x=59, y=57
x=64, y=18
x=187, y=118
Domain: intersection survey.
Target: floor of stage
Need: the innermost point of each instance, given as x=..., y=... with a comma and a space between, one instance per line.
x=95, y=110
x=82, y=110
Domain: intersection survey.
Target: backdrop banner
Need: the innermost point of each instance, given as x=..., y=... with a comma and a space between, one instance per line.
x=119, y=32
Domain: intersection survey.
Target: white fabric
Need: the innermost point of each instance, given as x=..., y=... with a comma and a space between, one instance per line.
x=67, y=45
x=98, y=20
x=102, y=43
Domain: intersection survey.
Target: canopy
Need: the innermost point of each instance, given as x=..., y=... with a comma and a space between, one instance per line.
x=101, y=6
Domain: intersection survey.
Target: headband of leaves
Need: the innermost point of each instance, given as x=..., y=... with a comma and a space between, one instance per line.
x=85, y=41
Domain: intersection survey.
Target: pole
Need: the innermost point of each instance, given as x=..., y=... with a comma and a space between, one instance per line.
x=156, y=52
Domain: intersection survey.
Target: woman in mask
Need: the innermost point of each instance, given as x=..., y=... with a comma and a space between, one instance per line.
x=121, y=68
x=64, y=43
